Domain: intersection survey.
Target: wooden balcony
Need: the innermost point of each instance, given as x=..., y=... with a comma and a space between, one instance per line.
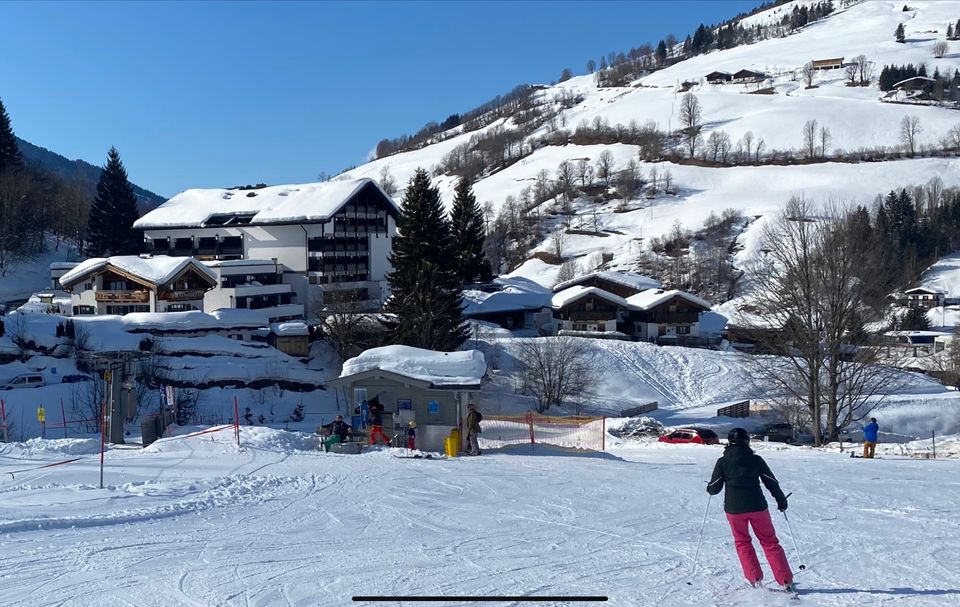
x=123, y=296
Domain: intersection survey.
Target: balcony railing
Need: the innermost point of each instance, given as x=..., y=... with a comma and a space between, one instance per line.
x=181, y=295
x=123, y=296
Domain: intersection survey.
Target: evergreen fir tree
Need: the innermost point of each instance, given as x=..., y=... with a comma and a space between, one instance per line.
x=9, y=150
x=466, y=222
x=949, y=31
x=425, y=290
x=110, y=228
x=915, y=319
x=900, y=33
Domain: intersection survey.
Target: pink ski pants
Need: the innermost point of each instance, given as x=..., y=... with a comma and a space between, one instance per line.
x=763, y=529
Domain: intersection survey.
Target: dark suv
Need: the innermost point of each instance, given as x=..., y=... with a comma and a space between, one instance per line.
x=777, y=433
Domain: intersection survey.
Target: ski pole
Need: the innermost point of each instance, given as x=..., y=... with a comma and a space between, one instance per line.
x=794, y=539
x=696, y=557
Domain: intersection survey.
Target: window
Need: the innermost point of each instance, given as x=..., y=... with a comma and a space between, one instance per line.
x=180, y=307
x=87, y=286
x=683, y=330
x=83, y=310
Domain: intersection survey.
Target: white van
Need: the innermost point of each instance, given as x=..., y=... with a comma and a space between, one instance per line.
x=28, y=380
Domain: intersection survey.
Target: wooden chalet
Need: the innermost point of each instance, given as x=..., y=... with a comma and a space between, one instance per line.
x=828, y=64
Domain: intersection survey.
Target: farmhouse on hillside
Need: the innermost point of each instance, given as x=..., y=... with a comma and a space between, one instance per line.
x=745, y=76
x=330, y=236
x=922, y=297
x=828, y=64
x=430, y=388
x=718, y=77
x=127, y=283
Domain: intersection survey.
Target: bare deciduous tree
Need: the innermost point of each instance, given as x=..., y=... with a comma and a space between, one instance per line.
x=852, y=72
x=940, y=49
x=557, y=241
x=824, y=141
x=584, y=172
x=605, y=166
x=810, y=292
x=569, y=270
x=808, y=73
x=387, y=183
x=556, y=368
x=810, y=139
x=909, y=130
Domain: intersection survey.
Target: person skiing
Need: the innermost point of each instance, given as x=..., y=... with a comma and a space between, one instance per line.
x=339, y=430
x=411, y=435
x=474, y=418
x=742, y=471
x=376, y=424
x=870, y=437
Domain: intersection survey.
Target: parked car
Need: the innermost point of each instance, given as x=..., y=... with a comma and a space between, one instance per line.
x=701, y=436
x=27, y=380
x=75, y=379
x=779, y=433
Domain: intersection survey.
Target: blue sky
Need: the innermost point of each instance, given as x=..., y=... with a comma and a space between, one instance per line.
x=214, y=94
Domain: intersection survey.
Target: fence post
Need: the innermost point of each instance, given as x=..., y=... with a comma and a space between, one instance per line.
x=933, y=438
x=530, y=424
x=3, y=419
x=63, y=418
x=603, y=436
x=236, y=419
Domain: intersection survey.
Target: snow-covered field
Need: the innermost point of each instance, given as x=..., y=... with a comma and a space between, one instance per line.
x=197, y=521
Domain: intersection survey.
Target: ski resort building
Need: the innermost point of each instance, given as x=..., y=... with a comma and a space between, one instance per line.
x=128, y=283
x=921, y=297
x=430, y=388
x=335, y=235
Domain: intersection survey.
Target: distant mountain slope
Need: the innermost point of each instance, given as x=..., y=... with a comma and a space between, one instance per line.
x=81, y=171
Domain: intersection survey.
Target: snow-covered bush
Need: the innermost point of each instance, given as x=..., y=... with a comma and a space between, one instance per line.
x=638, y=427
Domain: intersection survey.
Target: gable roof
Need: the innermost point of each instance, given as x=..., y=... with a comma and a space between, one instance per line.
x=578, y=292
x=279, y=204
x=652, y=298
x=922, y=291
x=626, y=279
x=155, y=270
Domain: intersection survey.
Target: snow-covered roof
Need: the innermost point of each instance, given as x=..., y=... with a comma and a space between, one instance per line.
x=652, y=298
x=922, y=291
x=64, y=265
x=289, y=329
x=280, y=204
x=577, y=292
x=194, y=320
x=441, y=369
x=627, y=279
x=156, y=270
x=517, y=293
x=915, y=79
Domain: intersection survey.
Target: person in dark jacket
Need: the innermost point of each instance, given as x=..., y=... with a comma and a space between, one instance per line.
x=411, y=435
x=376, y=423
x=870, y=432
x=741, y=471
x=339, y=431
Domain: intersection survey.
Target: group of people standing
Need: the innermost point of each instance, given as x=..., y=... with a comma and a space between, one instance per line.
x=371, y=415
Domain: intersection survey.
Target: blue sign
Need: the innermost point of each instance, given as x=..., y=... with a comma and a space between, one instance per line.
x=433, y=407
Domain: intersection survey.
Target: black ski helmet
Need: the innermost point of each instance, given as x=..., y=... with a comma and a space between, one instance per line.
x=738, y=436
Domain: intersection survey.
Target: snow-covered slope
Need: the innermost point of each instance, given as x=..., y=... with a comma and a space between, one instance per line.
x=197, y=521
x=855, y=116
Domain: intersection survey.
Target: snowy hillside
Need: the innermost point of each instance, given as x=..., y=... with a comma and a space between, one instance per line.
x=855, y=116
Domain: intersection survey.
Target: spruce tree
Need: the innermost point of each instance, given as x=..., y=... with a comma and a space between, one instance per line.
x=425, y=290
x=110, y=229
x=10, y=157
x=466, y=222
x=900, y=33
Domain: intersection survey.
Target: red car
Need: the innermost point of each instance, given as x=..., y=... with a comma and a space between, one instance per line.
x=701, y=436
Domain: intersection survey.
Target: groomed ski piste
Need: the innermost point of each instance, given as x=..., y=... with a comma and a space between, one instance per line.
x=198, y=521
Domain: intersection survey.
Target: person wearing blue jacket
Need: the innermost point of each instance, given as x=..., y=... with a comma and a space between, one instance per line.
x=870, y=437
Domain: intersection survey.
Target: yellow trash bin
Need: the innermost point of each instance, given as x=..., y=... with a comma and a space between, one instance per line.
x=450, y=447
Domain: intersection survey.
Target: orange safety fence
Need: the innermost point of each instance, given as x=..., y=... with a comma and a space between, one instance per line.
x=572, y=432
